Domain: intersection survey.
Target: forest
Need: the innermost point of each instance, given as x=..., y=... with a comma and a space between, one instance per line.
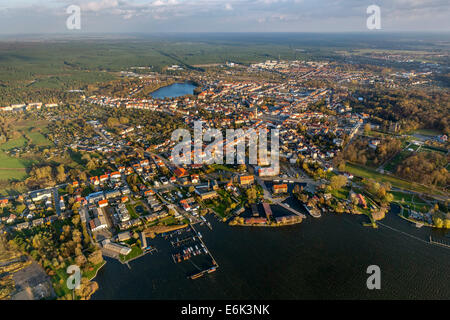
x=412, y=108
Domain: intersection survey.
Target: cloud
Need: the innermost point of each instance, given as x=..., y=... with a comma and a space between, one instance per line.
x=102, y=5
x=237, y=15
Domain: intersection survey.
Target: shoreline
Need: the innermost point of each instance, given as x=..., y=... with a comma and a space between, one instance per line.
x=96, y=272
x=265, y=225
x=191, y=82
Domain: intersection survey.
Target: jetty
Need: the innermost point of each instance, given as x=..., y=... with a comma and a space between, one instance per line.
x=283, y=205
x=441, y=243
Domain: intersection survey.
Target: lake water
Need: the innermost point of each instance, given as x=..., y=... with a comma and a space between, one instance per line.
x=324, y=258
x=175, y=90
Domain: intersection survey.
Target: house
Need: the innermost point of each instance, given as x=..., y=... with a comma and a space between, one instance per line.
x=22, y=226
x=124, y=236
x=288, y=219
x=185, y=205
x=180, y=172
x=123, y=213
x=3, y=202
x=195, y=178
x=254, y=220
x=40, y=195
x=38, y=222
x=125, y=190
x=95, y=181
x=113, y=194
x=103, y=203
x=280, y=188
x=96, y=225
x=62, y=205
x=115, y=175
x=362, y=200
x=206, y=194
x=116, y=248
x=246, y=180
x=95, y=197
x=267, y=171
x=374, y=144
x=442, y=138
x=11, y=219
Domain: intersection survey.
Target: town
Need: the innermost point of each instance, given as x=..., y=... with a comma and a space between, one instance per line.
x=133, y=191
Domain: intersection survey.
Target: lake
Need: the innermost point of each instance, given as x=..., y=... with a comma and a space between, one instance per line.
x=175, y=90
x=324, y=258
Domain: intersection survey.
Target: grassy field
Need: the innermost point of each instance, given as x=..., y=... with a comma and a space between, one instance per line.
x=426, y=132
x=341, y=193
x=392, y=165
x=365, y=172
x=12, y=168
x=412, y=201
x=135, y=252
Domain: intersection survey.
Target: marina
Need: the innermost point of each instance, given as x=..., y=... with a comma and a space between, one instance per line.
x=187, y=246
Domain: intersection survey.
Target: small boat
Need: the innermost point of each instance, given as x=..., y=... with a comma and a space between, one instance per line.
x=212, y=269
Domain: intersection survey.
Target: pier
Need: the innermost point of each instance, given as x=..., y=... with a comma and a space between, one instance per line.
x=439, y=243
x=292, y=210
x=209, y=252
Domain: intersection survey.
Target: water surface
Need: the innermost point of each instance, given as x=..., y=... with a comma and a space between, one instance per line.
x=324, y=258
x=174, y=91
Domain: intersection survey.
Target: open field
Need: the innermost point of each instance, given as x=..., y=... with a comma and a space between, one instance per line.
x=365, y=172
x=12, y=168
x=392, y=164
x=426, y=132
x=411, y=200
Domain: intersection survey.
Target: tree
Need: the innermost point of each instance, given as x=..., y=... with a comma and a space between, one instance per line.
x=337, y=182
x=367, y=128
x=112, y=122
x=91, y=165
x=438, y=222
x=60, y=173
x=251, y=195
x=446, y=224
x=69, y=189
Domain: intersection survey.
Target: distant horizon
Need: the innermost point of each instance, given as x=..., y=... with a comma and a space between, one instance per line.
x=185, y=16
x=137, y=33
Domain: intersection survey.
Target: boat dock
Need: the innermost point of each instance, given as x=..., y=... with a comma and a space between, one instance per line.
x=206, y=222
x=292, y=210
x=202, y=273
x=441, y=243
x=204, y=245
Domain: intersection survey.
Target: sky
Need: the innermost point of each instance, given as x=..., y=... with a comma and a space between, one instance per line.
x=156, y=16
